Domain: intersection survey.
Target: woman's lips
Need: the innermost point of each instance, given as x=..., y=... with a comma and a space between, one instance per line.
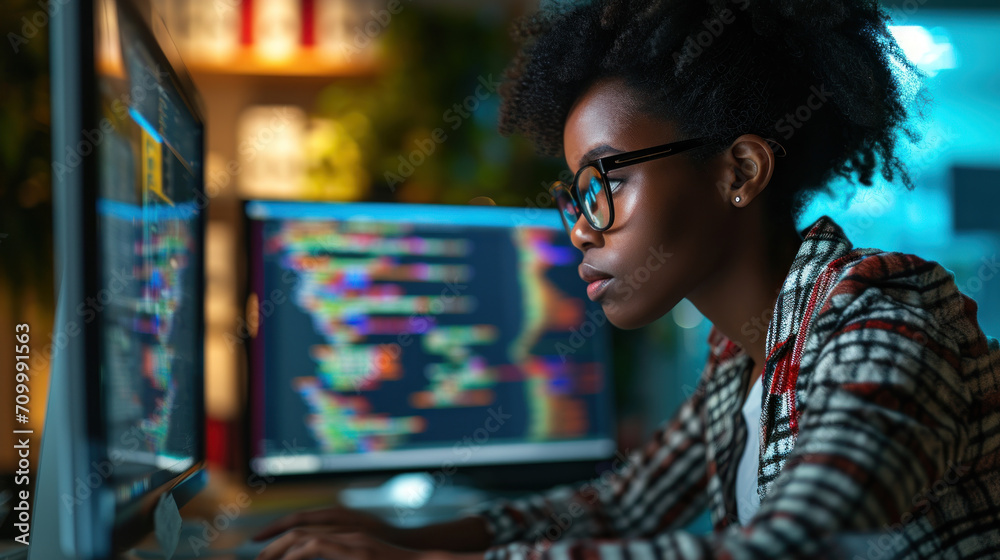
x=597, y=288
x=597, y=280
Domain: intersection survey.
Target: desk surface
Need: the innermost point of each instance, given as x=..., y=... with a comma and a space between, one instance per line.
x=230, y=509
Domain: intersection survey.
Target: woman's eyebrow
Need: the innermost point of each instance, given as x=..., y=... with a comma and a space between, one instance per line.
x=596, y=152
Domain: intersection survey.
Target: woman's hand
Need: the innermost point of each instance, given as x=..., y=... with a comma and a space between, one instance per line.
x=310, y=543
x=334, y=520
x=468, y=534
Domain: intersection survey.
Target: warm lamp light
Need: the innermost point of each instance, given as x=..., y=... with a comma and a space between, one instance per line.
x=277, y=26
x=270, y=142
x=215, y=30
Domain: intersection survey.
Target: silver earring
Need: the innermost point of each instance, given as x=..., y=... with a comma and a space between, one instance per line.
x=737, y=200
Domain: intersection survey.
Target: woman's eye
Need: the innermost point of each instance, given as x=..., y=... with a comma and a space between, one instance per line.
x=614, y=184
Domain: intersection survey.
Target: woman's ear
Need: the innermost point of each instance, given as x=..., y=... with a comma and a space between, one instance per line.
x=749, y=165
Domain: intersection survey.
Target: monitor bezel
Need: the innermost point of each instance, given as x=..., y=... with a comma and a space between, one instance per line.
x=523, y=474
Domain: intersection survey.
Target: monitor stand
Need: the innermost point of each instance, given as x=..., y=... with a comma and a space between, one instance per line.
x=53, y=535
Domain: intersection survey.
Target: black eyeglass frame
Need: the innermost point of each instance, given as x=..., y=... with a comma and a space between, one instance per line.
x=617, y=161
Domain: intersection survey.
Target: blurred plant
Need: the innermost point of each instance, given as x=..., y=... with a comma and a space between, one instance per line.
x=25, y=155
x=335, y=168
x=436, y=61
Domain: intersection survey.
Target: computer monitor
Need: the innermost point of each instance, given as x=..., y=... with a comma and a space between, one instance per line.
x=123, y=441
x=402, y=337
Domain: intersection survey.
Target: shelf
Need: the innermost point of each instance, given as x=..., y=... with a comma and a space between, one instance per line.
x=306, y=63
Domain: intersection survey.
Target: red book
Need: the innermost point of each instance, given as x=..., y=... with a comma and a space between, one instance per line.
x=246, y=23
x=218, y=443
x=308, y=23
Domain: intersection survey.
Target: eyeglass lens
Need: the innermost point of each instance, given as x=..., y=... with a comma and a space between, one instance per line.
x=593, y=197
x=567, y=206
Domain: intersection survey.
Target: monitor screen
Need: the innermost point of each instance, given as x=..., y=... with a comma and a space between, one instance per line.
x=402, y=336
x=150, y=241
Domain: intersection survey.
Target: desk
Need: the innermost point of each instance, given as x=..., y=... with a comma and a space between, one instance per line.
x=230, y=509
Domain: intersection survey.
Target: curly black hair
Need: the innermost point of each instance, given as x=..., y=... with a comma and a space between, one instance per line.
x=722, y=68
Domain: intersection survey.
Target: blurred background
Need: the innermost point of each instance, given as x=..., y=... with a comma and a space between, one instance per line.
x=340, y=100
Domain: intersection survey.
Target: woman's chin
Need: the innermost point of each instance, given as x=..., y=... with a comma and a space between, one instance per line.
x=623, y=317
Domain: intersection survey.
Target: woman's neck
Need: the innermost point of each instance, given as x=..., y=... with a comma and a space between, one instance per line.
x=739, y=299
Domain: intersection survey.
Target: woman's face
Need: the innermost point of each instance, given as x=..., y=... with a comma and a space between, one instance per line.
x=671, y=231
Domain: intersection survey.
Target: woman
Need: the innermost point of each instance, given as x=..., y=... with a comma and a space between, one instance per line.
x=699, y=130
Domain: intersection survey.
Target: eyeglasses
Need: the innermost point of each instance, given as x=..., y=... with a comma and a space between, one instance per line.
x=591, y=189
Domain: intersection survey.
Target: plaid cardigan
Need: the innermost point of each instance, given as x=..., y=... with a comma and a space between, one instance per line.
x=879, y=433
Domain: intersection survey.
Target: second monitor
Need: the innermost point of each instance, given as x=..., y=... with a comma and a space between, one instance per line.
x=394, y=337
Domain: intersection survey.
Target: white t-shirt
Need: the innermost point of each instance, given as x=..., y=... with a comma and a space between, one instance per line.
x=747, y=501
